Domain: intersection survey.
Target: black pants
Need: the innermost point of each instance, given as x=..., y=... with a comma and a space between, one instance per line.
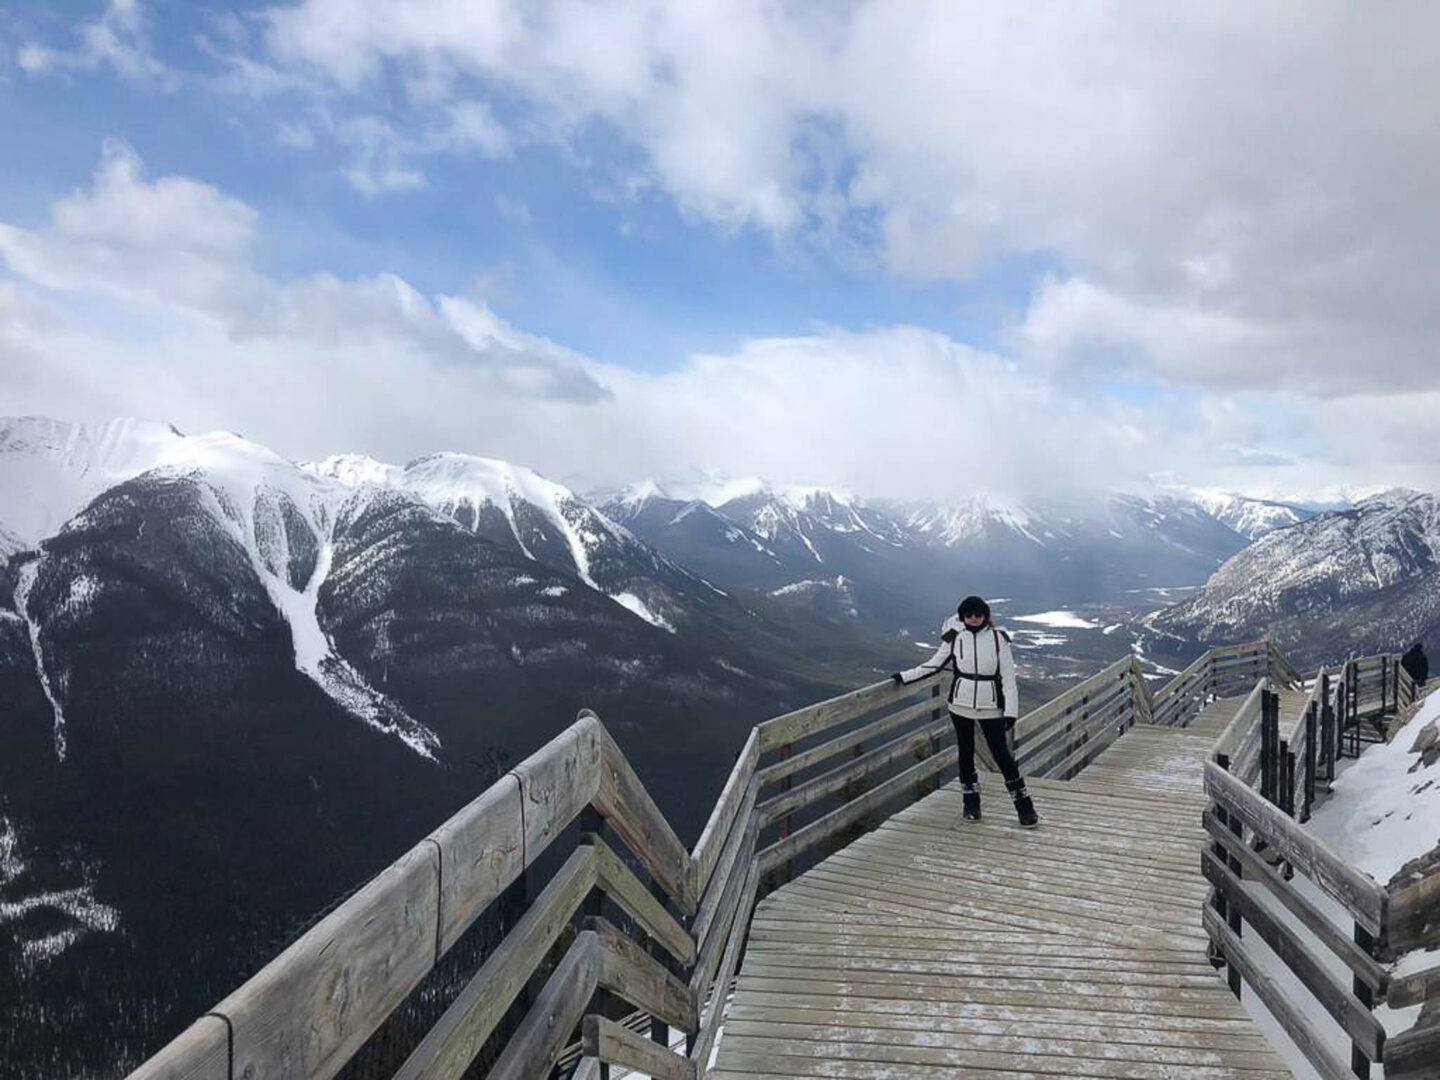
x=994, y=729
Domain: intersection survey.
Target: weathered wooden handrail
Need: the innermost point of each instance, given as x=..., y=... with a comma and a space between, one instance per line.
x=1174, y=700
x=305, y=1013
x=1282, y=672
x=1238, y=733
x=1237, y=811
x=1241, y=821
x=451, y=1045
x=1353, y=889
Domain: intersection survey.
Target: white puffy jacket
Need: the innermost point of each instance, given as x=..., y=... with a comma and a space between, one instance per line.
x=983, y=669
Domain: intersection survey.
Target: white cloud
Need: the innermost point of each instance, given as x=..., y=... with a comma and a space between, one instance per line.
x=148, y=271
x=1229, y=189
x=142, y=296
x=119, y=40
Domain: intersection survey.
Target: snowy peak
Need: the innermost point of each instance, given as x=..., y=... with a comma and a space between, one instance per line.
x=638, y=494
x=948, y=524
x=1251, y=518
x=356, y=470
x=507, y=503
x=49, y=469
x=55, y=478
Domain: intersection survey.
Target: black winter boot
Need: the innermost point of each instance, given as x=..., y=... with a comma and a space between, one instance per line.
x=971, y=793
x=1024, y=808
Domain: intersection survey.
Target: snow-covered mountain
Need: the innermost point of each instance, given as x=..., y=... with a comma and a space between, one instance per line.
x=1348, y=582
x=231, y=687
x=696, y=535
x=904, y=560
x=807, y=523
x=950, y=524
x=543, y=520
x=1251, y=518
x=278, y=518
x=752, y=535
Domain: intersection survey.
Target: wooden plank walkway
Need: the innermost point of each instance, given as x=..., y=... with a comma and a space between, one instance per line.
x=929, y=948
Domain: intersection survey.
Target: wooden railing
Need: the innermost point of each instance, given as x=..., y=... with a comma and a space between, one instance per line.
x=1256, y=791
x=630, y=924
x=308, y=1011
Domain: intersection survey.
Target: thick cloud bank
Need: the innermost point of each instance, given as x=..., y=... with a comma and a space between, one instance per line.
x=141, y=297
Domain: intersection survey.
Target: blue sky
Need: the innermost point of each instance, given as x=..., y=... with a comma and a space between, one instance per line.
x=632, y=281
x=564, y=217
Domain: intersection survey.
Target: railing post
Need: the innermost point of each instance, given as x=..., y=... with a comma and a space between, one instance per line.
x=1342, y=711
x=1285, y=785
x=1352, y=706
x=1269, y=747
x=592, y=821
x=1327, y=726
x=935, y=715
x=1359, y=1061
x=787, y=751
x=659, y=1030
x=1384, y=681
x=1223, y=908
x=1311, y=758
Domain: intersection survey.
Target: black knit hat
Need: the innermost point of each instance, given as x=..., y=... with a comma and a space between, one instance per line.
x=973, y=605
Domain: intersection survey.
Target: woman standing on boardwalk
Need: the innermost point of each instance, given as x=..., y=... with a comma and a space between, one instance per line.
x=983, y=692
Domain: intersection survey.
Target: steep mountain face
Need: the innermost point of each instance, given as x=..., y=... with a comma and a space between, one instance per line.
x=696, y=535
x=170, y=766
x=764, y=539
x=1349, y=582
x=231, y=688
x=543, y=521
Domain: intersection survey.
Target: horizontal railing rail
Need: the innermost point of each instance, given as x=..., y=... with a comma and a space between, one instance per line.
x=630, y=924
x=1262, y=778
x=1239, y=820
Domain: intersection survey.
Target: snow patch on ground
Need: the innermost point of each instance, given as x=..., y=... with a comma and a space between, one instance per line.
x=1058, y=620
x=75, y=909
x=1035, y=639
x=554, y=590
x=633, y=604
x=1385, y=808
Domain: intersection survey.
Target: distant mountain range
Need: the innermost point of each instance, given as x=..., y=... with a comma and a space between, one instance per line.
x=896, y=559
x=1345, y=583
x=232, y=686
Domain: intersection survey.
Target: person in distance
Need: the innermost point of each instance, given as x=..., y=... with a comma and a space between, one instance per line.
x=983, y=692
x=1416, y=663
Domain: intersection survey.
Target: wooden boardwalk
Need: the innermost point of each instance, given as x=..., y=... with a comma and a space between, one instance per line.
x=929, y=948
